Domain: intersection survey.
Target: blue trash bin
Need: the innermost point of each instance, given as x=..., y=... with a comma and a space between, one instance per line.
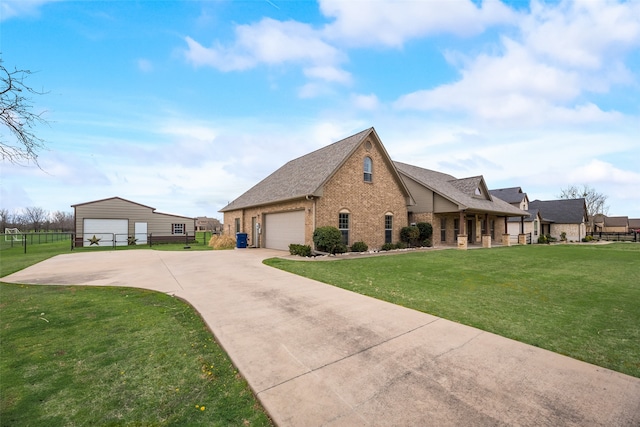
x=241, y=240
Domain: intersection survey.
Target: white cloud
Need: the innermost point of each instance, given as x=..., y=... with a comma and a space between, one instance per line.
x=547, y=72
x=268, y=42
x=365, y=102
x=329, y=74
x=582, y=34
x=597, y=171
x=144, y=65
x=392, y=22
x=14, y=8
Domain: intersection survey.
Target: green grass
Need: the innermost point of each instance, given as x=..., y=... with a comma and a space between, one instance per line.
x=111, y=356
x=579, y=300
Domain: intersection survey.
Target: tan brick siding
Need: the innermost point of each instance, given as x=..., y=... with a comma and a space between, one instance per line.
x=367, y=202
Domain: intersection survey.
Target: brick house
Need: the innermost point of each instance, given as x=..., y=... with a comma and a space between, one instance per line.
x=563, y=216
x=354, y=185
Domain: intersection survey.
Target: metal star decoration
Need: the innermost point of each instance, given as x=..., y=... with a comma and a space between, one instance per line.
x=94, y=240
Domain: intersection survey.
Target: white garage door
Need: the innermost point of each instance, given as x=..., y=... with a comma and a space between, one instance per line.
x=282, y=229
x=103, y=232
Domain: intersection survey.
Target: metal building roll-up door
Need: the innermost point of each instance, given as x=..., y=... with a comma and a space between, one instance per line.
x=282, y=229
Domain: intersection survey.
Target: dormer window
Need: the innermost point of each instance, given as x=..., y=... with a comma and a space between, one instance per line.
x=478, y=191
x=368, y=169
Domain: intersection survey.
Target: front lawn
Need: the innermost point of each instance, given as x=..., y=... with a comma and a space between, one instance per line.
x=84, y=356
x=579, y=300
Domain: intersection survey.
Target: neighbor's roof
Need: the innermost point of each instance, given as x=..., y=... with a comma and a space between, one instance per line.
x=460, y=191
x=634, y=223
x=564, y=211
x=533, y=214
x=616, y=221
x=509, y=195
x=303, y=176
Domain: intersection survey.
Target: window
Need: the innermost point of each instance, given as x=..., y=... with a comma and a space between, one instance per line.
x=343, y=226
x=535, y=227
x=456, y=227
x=177, y=228
x=443, y=229
x=388, y=228
x=368, y=169
x=237, y=225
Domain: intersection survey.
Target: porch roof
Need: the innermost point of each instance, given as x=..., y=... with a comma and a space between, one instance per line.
x=461, y=191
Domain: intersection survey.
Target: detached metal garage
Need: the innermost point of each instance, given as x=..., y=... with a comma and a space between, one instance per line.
x=282, y=229
x=116, y=222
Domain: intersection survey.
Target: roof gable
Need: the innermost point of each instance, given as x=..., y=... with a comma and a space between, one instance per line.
x=473, y=186
x=306, y=175
x=113, y=198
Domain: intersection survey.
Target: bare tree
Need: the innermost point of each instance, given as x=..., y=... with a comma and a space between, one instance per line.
x=62, y=221
x=35, y=217
x=4, y=219
x=596, y=202
x=18, y=142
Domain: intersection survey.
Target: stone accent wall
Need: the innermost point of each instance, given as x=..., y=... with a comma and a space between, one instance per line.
x=367, y=202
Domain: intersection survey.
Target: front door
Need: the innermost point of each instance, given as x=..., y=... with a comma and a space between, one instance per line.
x=471, y=233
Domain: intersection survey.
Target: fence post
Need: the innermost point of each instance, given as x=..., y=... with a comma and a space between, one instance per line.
x=25, y=244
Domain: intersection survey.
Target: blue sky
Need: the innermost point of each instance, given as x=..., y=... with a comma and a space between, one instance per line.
x=185, y=105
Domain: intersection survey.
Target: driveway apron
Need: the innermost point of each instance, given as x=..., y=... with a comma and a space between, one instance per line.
x=317, y=355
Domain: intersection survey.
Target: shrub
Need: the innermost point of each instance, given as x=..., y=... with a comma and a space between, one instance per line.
x=388, y=247
x=426, y=231
x=587, y=238
x=327, y=239
x=426, y=243
x=563, y=236
x=301, y=250
x=542, y=239
x=359, y=247
x=222, y=242
x=401, y=245
x=410, y=235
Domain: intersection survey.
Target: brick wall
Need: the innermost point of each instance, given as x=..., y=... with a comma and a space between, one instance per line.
x=367, y=202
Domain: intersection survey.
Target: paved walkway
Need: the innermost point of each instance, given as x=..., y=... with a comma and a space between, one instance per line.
x=316, y=355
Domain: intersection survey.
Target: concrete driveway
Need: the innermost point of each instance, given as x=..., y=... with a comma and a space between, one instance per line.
x=316, y=355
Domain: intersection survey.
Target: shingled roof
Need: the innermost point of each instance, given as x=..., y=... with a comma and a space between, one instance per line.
x=509, y=195
x=304, y=176
x=460, y=191
x=564, y=211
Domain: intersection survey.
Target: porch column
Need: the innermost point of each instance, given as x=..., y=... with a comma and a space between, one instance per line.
x=486, y=237
x=462, y=237
x=522, y=238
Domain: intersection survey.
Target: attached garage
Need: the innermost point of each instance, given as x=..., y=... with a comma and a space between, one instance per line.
x=282, y=229
x=104, y=232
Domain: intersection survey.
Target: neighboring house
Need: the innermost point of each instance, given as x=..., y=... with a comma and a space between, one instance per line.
x=563, y=216
x=204, y=223
x=616, y=224
x=514, y=196
x=634, y=224
x=118, y=221
x=518, y=225
x=355, y=186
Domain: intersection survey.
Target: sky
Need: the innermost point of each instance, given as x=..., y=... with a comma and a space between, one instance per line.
x=185, y=105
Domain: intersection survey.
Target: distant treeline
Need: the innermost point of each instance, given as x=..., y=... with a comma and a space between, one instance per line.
x=36, y=220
